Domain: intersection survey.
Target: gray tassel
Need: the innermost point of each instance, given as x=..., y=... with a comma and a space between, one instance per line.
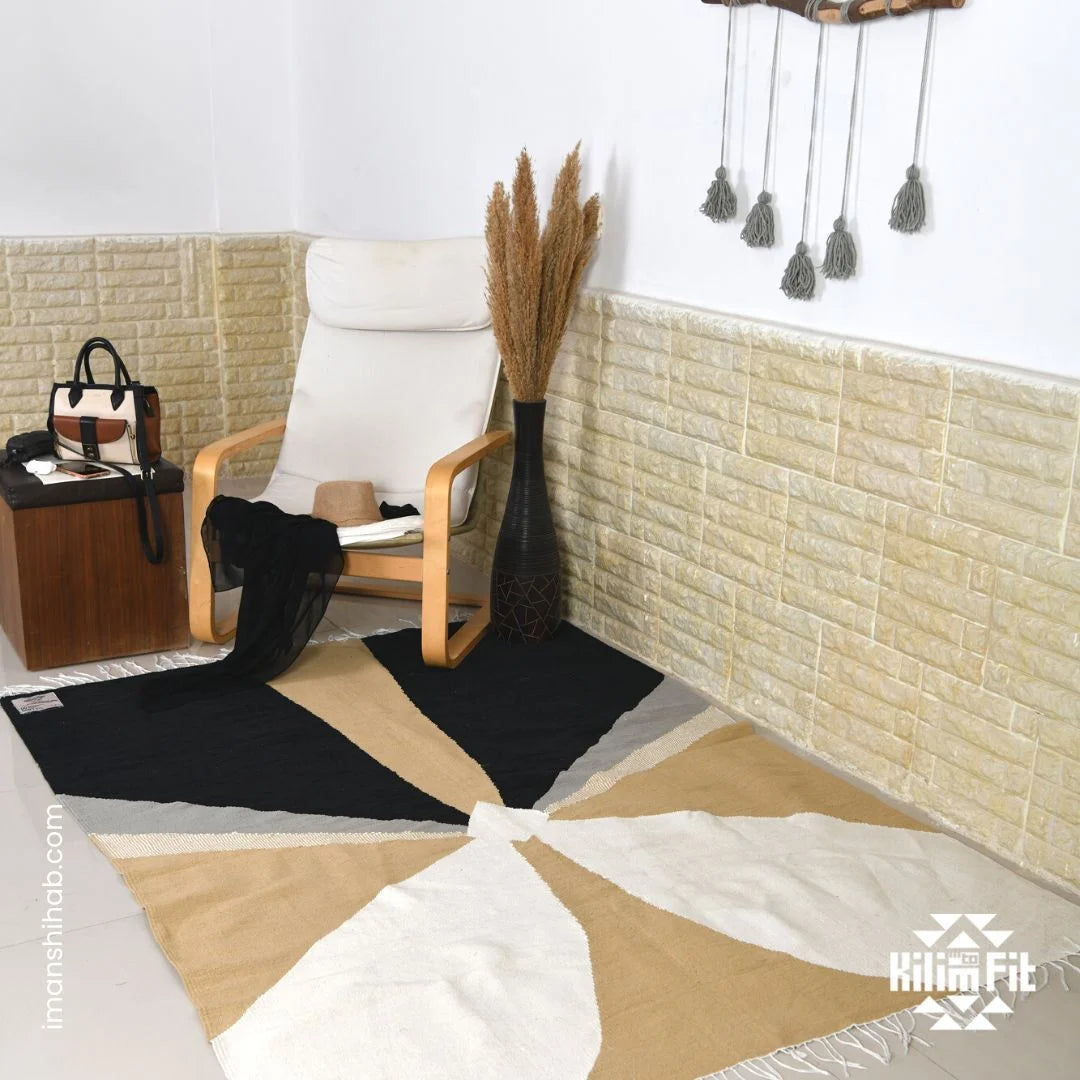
x=909, y=206
x=760, y=228
x=799, y=280
x=841, y=257
x=720, y=204
x=840, y=254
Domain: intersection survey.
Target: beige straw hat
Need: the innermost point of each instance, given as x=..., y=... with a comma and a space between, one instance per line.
x=346, y=502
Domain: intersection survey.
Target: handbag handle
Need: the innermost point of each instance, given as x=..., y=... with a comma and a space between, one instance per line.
x=119, y=371
x=88, y=347
x=84, y=357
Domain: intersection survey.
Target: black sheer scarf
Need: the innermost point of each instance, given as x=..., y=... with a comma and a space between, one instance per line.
x=288, y=565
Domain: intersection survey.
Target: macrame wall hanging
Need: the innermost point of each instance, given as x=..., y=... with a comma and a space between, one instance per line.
x=908, y=214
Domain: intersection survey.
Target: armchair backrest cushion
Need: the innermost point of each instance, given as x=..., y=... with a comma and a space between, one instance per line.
x=397, y=368
x=380, y=285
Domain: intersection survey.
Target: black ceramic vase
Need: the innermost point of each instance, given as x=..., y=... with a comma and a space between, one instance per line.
x=526, y=582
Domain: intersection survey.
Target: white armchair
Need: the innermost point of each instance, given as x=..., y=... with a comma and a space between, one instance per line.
x=394, y=384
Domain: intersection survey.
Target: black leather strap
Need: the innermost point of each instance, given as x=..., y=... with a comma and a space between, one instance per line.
x=156, y=553
x=88, y=438
x=120, y=372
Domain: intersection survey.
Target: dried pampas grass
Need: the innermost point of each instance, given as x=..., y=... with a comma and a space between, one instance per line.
x=533, y=277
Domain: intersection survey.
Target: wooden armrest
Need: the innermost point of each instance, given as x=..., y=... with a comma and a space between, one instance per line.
x=437, y=492
x=210, y=458
x=442, y=473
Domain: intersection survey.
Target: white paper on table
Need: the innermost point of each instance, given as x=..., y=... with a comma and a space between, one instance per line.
x=63, y=478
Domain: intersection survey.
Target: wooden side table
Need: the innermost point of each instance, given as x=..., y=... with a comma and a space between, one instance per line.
x=74, y=582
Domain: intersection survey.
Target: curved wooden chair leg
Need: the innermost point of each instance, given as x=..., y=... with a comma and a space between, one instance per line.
x=438, y=646
x=466, y=637
x=202, y=599
x=201, y=605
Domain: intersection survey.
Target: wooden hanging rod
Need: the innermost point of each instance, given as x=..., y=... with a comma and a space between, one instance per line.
x=851, y=11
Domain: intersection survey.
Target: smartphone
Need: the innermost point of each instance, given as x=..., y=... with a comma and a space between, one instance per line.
x=82, y=469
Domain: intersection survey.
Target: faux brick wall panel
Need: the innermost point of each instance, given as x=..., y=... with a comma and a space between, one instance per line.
x=875, y=553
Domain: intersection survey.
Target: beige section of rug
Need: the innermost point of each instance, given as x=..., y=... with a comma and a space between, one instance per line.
x=732, y=771
x=645, y=757
x=343, y=684
x=678, y=1000
x=233, y=923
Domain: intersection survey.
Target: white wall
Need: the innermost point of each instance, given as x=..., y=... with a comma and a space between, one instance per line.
x=386, y=119
x=408, y=112
x=161, y=116
x=254, y=120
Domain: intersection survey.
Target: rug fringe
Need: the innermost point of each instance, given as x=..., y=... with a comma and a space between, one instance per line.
x=123, y=669
x=113, y=669
x=882, y=1039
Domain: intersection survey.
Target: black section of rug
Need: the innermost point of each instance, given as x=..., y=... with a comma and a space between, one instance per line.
x=524, y=712
x=251, y=747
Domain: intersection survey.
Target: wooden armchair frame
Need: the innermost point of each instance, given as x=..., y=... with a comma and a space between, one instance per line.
x=431, y=572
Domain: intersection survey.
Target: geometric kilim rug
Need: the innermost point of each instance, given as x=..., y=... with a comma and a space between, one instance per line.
x=549, y=864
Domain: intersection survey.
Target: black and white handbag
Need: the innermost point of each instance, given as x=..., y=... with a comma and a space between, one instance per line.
x=113, y=424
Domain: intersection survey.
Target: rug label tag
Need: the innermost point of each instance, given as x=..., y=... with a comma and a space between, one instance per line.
x=37, y=703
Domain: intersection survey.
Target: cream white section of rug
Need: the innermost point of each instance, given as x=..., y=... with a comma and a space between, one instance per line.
x=469, y=970
x=831, y=892
x=491, y=822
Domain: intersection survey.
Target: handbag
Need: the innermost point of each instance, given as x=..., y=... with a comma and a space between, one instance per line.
x=113, y=424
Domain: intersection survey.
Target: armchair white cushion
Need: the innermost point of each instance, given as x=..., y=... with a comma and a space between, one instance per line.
x=398, y=368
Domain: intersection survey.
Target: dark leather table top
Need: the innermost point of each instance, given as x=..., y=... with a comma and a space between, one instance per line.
x=23, y=491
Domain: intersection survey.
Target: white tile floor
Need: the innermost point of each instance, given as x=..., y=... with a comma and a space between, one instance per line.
x=127, y=1016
